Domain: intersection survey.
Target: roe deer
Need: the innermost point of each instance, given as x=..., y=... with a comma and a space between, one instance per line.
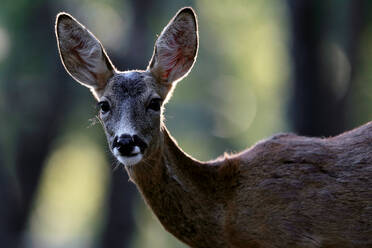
x=286, y=191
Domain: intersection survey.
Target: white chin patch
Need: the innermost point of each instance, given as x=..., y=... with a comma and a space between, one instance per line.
x=128, y=161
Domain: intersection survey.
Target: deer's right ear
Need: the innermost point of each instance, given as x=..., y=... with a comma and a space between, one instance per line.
x=82, y=54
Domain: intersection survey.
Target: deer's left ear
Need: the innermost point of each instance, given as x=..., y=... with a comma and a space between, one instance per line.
x=176, y=48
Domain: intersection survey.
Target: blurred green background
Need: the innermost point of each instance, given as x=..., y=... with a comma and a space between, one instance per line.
x=264, y=66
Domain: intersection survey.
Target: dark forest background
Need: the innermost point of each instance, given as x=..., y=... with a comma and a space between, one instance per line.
x=263, y=67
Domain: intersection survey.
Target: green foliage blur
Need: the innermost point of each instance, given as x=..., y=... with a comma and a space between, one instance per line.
x=236, y=94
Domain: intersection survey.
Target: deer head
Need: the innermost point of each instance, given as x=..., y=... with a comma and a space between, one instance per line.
x=131, y=102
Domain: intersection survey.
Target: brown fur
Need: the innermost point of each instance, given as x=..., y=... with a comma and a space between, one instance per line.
x=286, y=191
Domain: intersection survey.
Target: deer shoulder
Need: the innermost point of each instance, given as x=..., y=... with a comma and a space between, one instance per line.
x=313, y=189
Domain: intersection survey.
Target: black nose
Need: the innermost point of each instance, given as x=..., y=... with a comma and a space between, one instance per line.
x=127, y=143
x=124, y=144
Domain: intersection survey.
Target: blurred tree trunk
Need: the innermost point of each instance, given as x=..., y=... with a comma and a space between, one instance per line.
x=8, y=208
x=31, y=79
x=318, y=103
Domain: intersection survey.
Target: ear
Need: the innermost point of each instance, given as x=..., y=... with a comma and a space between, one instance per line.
x=82, y=54
x=176, y=48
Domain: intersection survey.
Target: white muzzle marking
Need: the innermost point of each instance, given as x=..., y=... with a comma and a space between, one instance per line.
x=128, y=161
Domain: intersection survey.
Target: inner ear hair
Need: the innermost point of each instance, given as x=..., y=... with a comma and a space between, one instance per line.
x=176, y=48
x=82, y=54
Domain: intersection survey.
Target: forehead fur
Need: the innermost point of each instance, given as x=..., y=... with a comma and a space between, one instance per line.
x=130, y=84
x=133, y=84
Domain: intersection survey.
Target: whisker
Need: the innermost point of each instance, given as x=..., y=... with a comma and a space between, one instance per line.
x=116, y=166
x=93, y=121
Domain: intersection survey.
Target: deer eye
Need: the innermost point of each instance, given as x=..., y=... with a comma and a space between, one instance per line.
x=155, y=104
x=104, y=106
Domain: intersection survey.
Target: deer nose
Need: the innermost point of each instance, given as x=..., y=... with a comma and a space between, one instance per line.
x=124, y=144
x=128, y=145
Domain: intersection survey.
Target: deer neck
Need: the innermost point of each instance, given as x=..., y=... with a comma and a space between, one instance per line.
x=167, y=165
x=172, y=185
